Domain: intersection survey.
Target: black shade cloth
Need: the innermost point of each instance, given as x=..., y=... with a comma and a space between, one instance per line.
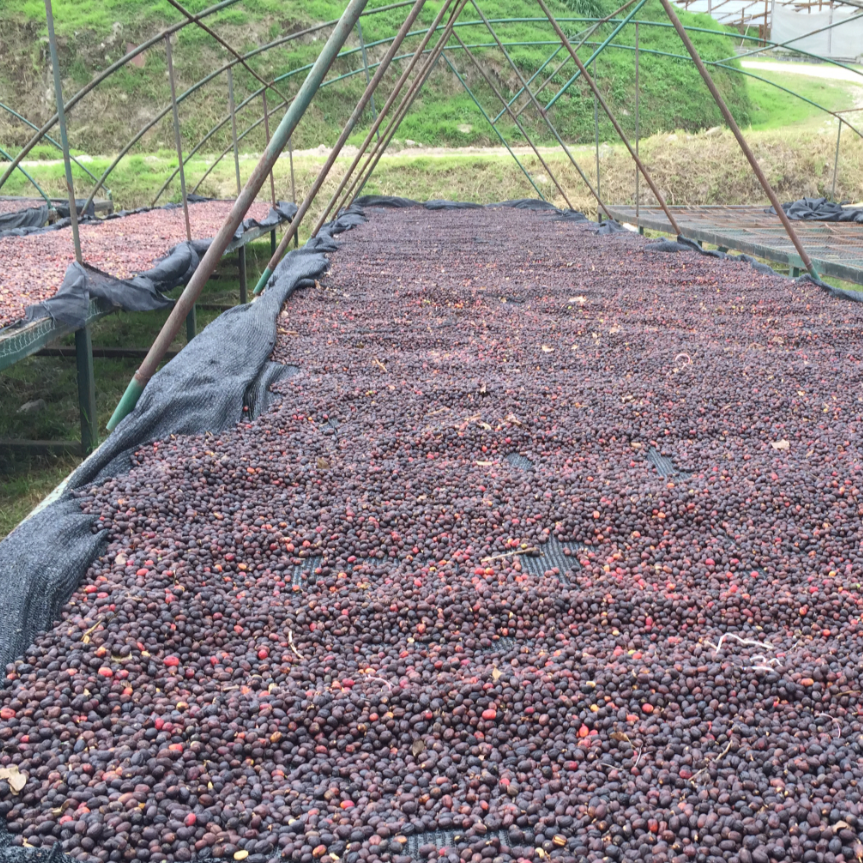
x=144, y=292
x=820, y=210
x=27, y=218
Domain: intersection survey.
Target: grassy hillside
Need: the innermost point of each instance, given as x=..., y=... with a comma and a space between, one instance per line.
x=94, y=33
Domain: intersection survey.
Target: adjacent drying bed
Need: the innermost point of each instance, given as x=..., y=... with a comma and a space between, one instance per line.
x=32, y=267
x=574, y=577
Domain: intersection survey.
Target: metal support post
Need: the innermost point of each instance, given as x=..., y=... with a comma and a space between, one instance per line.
x=366, y=66
x=566, y=43
x=86, y=390
x=191, y=324
x=234, y=127
x=637, y=120
x=836, y=163
x=224, y=235
x=384, y=111
x=64, y=138
x=272, y=179
x=596, y=138
x=267, y=135
x=294, y=226
x=178, y=141
x=241, y=265
x=732, y=124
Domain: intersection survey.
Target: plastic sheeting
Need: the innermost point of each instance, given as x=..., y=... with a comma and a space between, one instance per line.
x=820, y=210
x=842, y=42
x=144, y=292
x=28, y=217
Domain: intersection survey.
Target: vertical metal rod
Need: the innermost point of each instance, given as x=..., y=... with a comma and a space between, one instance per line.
x=596, y=138
x=234, y=127
x=224, y=235
x=86, y=390
x=293, y=193
x=366, y=66
x=637, y=119
x=384, y=111
x=294, y=226
x=620, y=133
x=533, y=100
x=732, y=124
x=191, y=324
x=491, y=123
x=509, y=110
x=64, y=138
x=830, y=31
x=267, y=135
x=241, y=265
x=272, y=179
x=178, y=141
x=836, y=162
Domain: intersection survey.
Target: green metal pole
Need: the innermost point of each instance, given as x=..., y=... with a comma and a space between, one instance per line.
x=637, y=122
x=241, y=265
x=64, y=138
x=86, y=390
x=836, y=163
x=272, y=179
x=222, y=239
x=39, y=189
x=491, y=123
x=368, y=77
x=178, y=141
x=234, y=128
x=294, y=226
x=596, y=138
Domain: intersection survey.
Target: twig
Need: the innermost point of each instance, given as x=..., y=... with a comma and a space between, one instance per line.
x=291, y=644
x=717, y=647
x=380, y=365
x=508, y=554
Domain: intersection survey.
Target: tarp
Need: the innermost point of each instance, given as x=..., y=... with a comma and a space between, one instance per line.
x=820, y=210
x=28, y=217
x=144, y=292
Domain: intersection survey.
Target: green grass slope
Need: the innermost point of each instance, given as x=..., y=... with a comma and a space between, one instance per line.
x=94, y=33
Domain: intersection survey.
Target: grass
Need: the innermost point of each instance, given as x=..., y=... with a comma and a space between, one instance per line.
x=774, y=109
x=445, y=115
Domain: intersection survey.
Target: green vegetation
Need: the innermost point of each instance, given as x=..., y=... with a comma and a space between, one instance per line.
x=774, y=109
x=93, y=35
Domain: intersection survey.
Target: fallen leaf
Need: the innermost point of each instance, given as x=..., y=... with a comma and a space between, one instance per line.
x=547, y=350
x=780, y=444
x=417, y=746
x=496, y=674
x=16, y=780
